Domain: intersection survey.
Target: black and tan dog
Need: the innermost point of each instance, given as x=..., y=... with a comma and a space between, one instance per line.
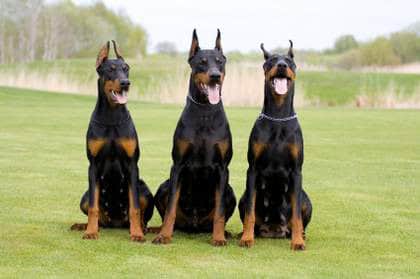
x=116, y=196
x=197, y=197
x=274, y=203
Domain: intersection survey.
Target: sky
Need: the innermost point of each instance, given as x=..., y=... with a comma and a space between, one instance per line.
x=245, y=24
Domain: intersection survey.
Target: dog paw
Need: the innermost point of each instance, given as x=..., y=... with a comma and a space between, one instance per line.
x=78, y=227
x=161, y=239
x=137, y=237
x=297, y=245
x=219, y=242
x=247, y=243
x=90, y=235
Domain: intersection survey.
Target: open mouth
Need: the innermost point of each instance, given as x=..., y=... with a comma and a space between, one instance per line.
x=119, y=97
x=281, y=84
x=212, y=92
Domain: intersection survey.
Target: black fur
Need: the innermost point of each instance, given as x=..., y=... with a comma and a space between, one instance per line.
x=200, y=164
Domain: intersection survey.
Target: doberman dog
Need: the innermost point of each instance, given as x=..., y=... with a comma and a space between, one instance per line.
x=116, y=196
x=274, y=203
x=197, y=197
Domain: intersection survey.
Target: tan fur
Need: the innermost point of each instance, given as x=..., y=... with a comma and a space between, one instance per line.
x=136, y=231
x=258, y=148
x=95, y=145
x=218, y=223
x=223, y=147
x=182, y=146
x=129, y=145
x=294, y=150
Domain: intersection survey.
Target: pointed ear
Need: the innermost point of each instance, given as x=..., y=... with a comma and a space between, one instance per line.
x=266, y=53
x=218, y=41
x=290, y=52
x=117, y=50
x=102, y=55
x=194, y=45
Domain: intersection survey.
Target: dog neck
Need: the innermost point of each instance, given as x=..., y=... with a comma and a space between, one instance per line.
x=279, y=109
x=107, y=114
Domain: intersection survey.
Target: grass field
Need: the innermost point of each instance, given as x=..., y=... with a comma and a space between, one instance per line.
x=361, y=171
x=164, y=78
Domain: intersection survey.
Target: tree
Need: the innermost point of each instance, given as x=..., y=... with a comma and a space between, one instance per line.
x=166, y=48
x=406, y=45
x=344, y=43
x=36, y=29
x=379, y=52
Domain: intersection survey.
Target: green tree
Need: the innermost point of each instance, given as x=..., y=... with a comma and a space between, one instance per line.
x=379, y=52
x=406, y=45
x=344, y=43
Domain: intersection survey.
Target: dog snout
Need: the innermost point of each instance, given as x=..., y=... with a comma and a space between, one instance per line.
x=125, y=83
x=215, y=75
x=282, y=65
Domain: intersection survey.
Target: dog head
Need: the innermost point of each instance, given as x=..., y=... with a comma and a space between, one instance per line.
x=279, y=71
x=114, y=75
x=208, y=69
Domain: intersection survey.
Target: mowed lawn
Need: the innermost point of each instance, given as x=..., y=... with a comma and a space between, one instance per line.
x=362, y=172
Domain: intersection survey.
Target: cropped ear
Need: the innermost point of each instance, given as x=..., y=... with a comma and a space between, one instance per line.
x=194, y=45
x=102, y=55
x=266, y=53
x=290, y=52
x=117, y=50
x=218, y=41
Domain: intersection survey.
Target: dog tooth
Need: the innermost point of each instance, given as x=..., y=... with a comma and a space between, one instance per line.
x=266, y=202
x=266, y=219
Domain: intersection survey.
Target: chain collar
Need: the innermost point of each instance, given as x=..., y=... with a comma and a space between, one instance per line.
x=262, y=116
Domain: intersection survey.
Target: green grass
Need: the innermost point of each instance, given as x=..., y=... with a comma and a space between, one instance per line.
x=342, y=87
x=361, y=171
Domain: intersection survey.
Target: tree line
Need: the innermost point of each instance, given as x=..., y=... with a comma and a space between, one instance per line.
x=36, y=30
x=397, y=48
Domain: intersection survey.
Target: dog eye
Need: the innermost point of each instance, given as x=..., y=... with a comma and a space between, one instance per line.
x=218, y=60
x=203, y=61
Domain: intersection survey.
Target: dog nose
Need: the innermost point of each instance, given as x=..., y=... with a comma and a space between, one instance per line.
x=215, y=75
x=125, y=82
x=282, y=64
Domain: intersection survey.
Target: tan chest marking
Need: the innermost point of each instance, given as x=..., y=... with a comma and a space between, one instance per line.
x=129, y=145
x=95, y=145
x=182, y=146
x=258, y=148
x=223, y=147
x=294, y=150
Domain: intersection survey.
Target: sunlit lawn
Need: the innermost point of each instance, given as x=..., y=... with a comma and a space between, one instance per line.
x=361, y=171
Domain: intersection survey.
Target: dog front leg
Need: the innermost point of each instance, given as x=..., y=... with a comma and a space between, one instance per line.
x=136, y=230
x=218, y=238
x=166, y=231
x=296, y=222
x=93, y=210
x=247, y=239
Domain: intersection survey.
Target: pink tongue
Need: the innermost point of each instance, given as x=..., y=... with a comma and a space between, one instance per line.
x=214, y=94
x=121, y=98
x=280, y=86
